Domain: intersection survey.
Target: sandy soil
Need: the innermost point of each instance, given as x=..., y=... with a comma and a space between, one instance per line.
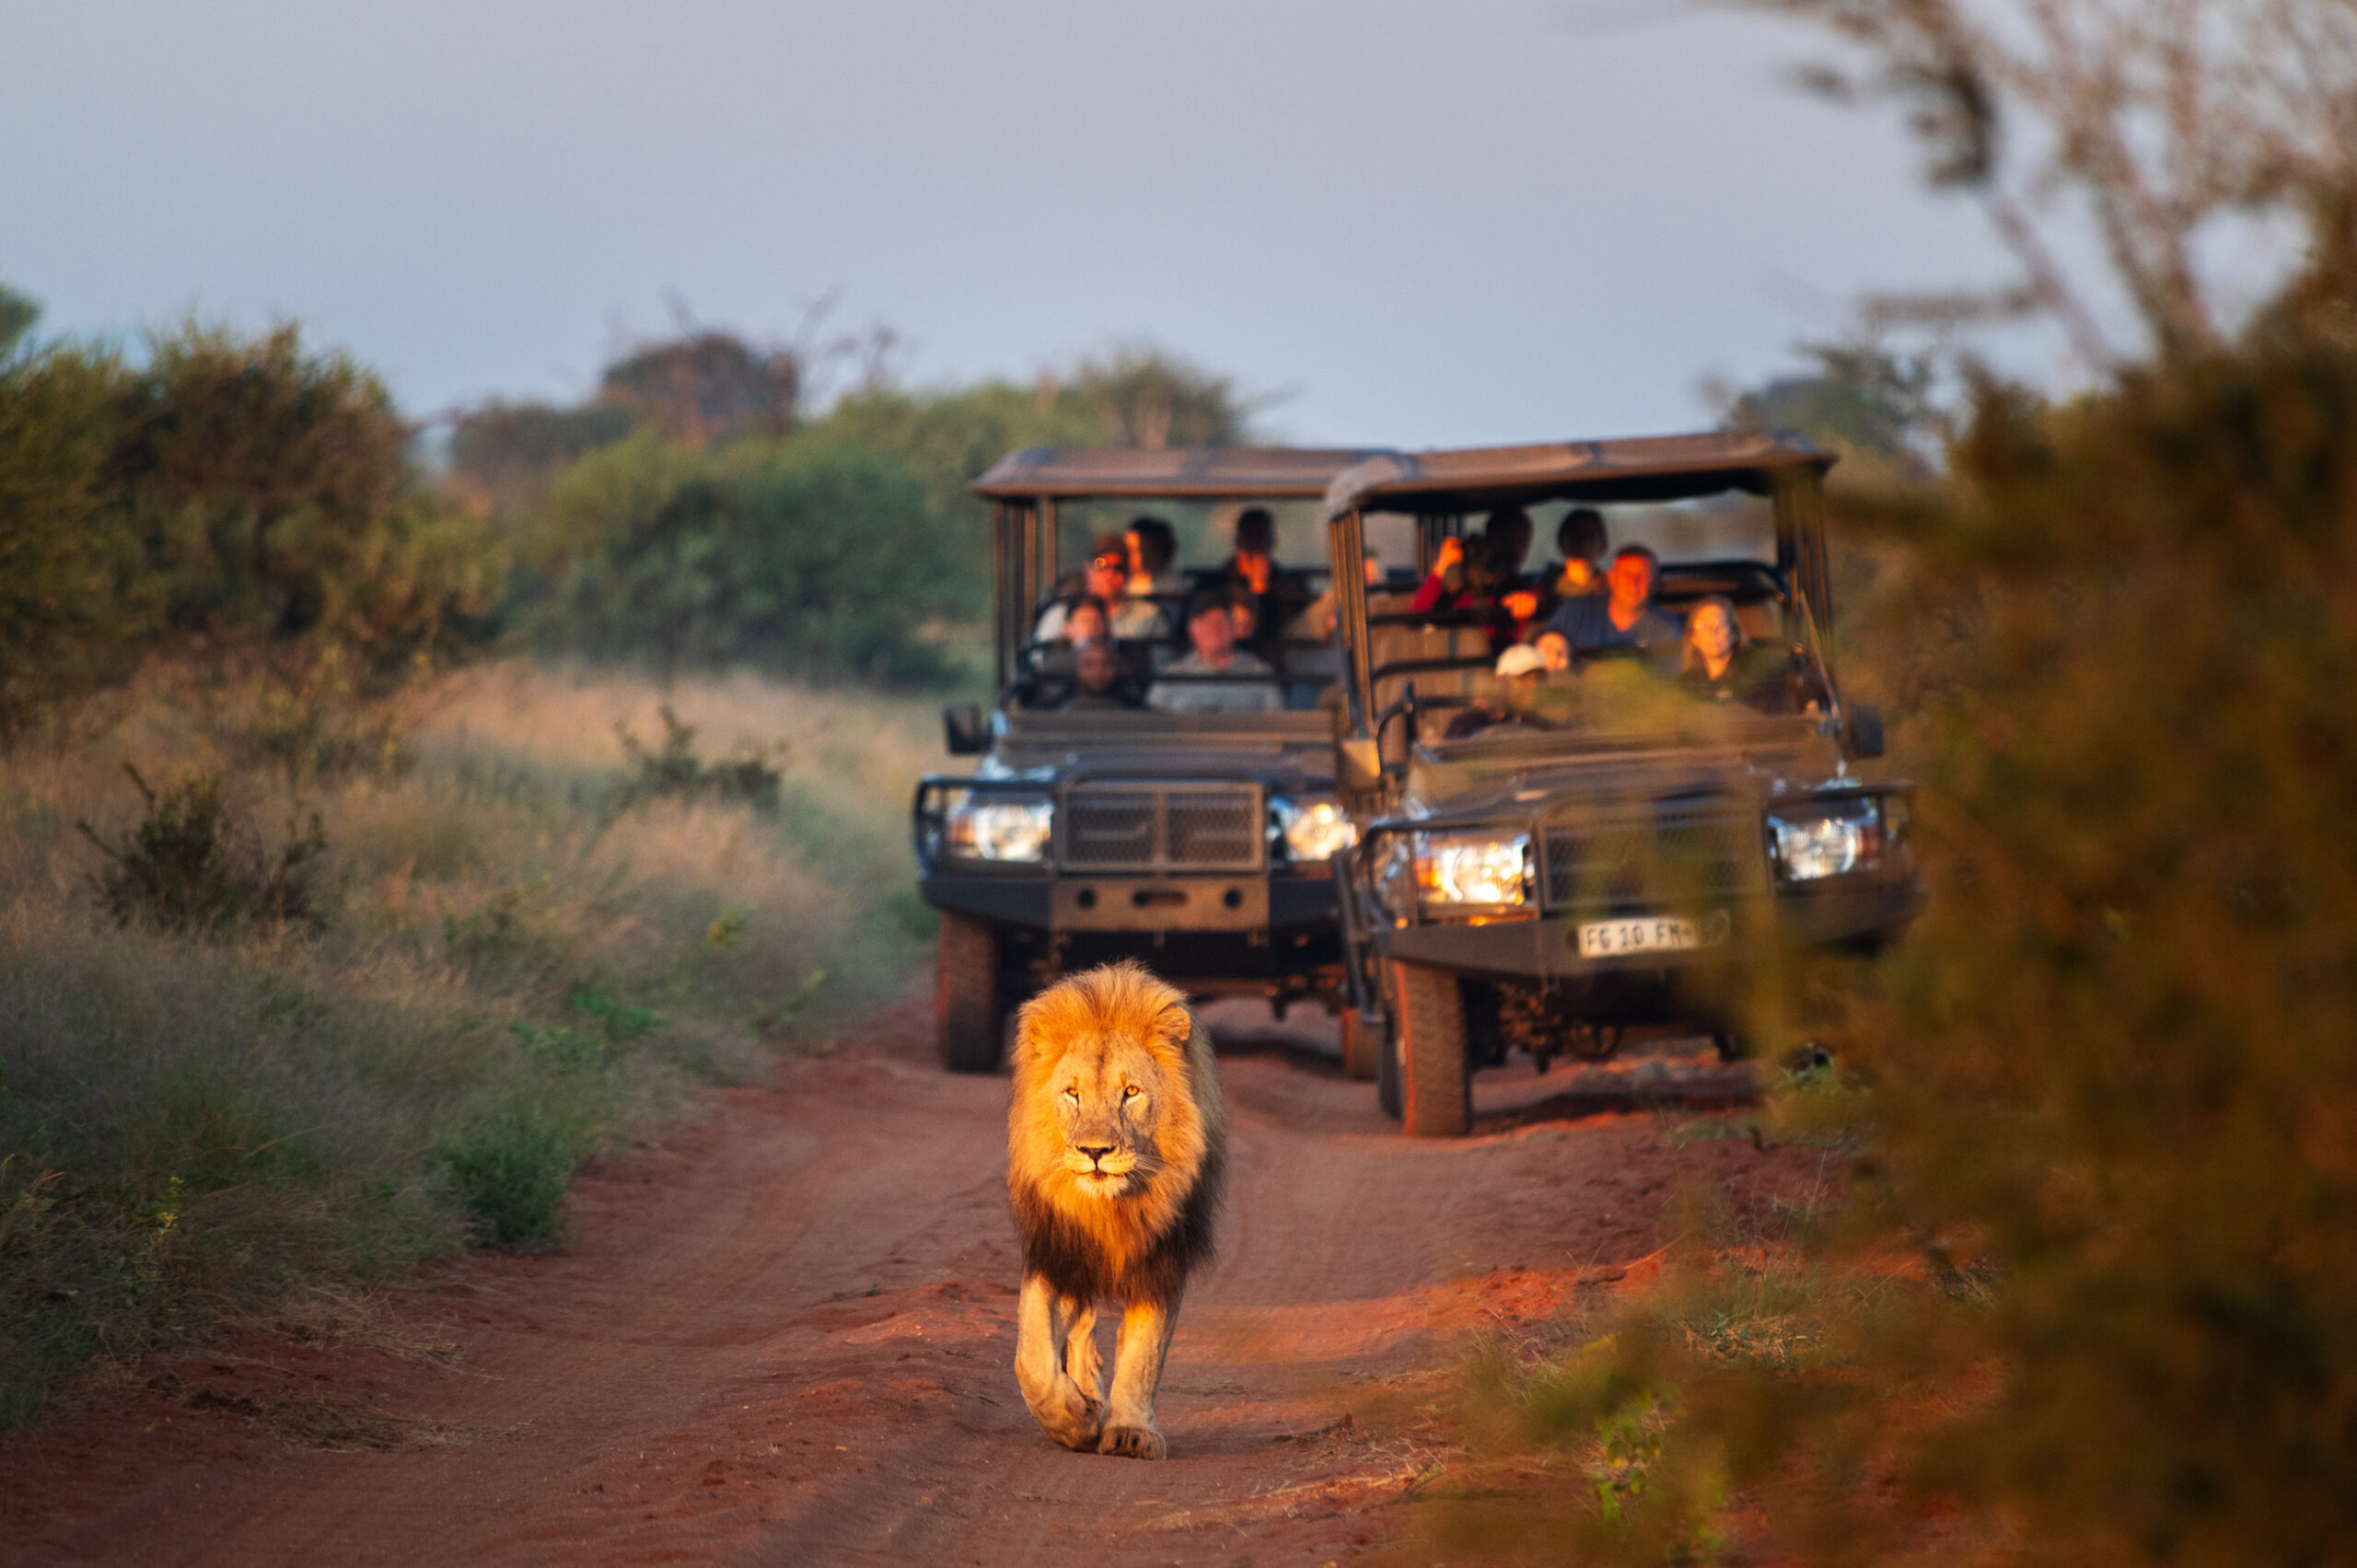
x=784, y=1336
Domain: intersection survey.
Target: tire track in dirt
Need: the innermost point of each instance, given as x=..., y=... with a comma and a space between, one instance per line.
x=784, y=1336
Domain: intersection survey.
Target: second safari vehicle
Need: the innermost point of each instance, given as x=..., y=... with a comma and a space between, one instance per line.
x=1601, y=846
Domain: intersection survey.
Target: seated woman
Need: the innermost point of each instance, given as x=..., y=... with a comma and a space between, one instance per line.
x=1719, y=664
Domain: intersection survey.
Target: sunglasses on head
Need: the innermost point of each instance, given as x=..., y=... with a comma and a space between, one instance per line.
x=1108, y=563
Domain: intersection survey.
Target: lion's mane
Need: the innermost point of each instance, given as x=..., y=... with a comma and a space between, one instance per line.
x=1143, y=1245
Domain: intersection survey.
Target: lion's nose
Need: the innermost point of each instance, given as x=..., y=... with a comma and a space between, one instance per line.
x=1096, y=1151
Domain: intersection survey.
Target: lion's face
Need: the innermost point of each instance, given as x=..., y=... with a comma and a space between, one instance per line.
x=1108, y=1095
x=1104, y=1125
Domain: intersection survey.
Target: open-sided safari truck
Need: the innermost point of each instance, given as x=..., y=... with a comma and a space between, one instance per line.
x=1199, y=842
x=1617, y=850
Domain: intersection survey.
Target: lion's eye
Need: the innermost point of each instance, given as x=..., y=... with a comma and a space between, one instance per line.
x=1072, y=1092
x=1131, y=1092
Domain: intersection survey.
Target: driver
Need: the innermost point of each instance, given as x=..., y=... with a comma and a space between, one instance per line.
x=1210, y=631
x=1518, y=673
x=1623, y=615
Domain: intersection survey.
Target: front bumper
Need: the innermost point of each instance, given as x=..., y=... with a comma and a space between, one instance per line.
x=1548, y=948
x=1067, y=902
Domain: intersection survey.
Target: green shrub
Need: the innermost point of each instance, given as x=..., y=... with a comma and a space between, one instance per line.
x=675, y=770
x=2103, y=1162
x=513, y=1169
x=192, y=864
x=827, y=561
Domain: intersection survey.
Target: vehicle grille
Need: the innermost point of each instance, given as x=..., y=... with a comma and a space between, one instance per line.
x=1676, y=853
x=1139, y=827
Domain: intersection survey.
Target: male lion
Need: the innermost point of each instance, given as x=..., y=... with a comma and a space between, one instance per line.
x=1116, y=1145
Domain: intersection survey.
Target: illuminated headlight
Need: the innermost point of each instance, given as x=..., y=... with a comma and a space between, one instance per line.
x=1314, y=827
x=1473, y=869
x=998, y=826
x=1827, y=840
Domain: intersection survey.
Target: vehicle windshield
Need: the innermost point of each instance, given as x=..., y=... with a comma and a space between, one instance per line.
x=1236, y=618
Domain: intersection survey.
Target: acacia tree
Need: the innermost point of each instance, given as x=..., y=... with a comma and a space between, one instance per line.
x=2162, y=122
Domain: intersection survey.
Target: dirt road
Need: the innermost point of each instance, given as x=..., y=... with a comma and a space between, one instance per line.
x=784, y=1336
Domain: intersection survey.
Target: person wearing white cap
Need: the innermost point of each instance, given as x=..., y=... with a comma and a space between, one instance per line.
x=1518, y=670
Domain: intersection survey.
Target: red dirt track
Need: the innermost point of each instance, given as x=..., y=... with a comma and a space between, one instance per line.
x=785, y=1336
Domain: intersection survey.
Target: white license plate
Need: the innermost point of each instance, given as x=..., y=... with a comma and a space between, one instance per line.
x=1660, y=933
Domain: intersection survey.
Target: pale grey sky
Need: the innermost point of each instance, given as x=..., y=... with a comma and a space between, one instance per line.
x=1486, y=220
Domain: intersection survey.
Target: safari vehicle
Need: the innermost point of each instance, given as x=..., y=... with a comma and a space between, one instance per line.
x=1200, y=843
x=1614, y=852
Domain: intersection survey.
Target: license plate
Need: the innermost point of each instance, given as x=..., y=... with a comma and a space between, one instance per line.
x=1658, y=934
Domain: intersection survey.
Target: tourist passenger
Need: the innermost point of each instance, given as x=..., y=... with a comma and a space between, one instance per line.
x=1096, y=678
x=1554, y=651
x=1276, y=593
x=1623, y=616
x=1154, y=552
x=1106, y=577
x=1238, y=682
x=1720, y=664
x=1518, y=671
x=1579, y=539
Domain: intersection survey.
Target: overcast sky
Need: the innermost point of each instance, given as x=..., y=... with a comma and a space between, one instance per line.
x=1424, y=222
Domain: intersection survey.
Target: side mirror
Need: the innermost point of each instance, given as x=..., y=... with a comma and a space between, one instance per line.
x=1358, y=767
x=1861, y=735
x=963, y=729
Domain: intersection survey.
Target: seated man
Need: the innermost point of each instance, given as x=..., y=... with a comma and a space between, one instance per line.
x=1519, y=671
x=1579, y=541
x=1277, y=594
x=1623, y=615
x=1096, y=682
x=1210, y=631
x=1154, y=548
x=1106, y=577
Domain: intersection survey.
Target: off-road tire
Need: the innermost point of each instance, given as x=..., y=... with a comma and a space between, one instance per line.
x=1362, y=1039
x=1435, y=1080
x=968, y=1017
x=1386, y=1068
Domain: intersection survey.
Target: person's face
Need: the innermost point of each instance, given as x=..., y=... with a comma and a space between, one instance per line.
x=1513, y=543
x=1374, y=572
x=1241, y=614
x=1713, y=632
x=1085, y=621
x=1631, y=578
x=1213, y=634
x=1137, y=552
x=1108, y=574
x=1093, y=667
x=1555, y=651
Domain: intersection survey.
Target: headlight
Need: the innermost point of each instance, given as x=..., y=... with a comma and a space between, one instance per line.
x=1472, y=869
x=998, y=826
x=1315, y=827
x=1827, y=840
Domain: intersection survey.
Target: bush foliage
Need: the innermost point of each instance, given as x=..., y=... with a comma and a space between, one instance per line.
x=2095, y=1297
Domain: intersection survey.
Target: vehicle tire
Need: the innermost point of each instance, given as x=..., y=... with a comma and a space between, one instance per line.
x=1386, y=1069
x=1360, y=1037
x=1435, y=1080
x=968, y=1015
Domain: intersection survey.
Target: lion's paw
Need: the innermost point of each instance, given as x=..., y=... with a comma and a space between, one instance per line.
x=1078, y=1423
x=1133, y=1443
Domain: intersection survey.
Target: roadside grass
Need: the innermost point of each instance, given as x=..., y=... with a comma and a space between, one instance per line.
x=513, y=957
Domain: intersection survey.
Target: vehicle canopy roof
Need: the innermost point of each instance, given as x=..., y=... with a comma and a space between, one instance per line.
x=1168, y=472
x=1644, y=468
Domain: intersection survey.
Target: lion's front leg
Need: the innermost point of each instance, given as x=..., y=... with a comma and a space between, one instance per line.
x=1146, y=1328
x=1072, y=1415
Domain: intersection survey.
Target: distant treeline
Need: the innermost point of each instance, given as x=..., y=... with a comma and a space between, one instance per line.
x=250, y=498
